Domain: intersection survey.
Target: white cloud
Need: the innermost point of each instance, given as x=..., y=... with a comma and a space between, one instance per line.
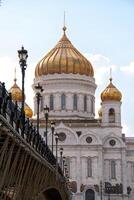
x=101, y=65
x=129, y=68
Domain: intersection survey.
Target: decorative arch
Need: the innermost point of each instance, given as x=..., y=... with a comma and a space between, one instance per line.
x=70, y=134
x=105, y=141
x=96, y=139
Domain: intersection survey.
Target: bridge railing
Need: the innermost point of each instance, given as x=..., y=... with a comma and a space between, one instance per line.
x=12, y=113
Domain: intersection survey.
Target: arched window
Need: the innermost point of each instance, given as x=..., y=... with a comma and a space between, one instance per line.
x=51, y=102
x=75, y=102
x=89, y=167
x=85, y=103
x=89, y=195
x=63, y=102
x=113, y=169
x=111, y=115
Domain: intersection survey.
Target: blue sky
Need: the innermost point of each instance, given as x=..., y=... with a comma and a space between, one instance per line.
x=102, y=30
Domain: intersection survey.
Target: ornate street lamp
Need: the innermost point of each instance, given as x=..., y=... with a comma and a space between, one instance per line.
x=46, y=112
x=56, y=141
x=38, y=90
x=23, y=55
x=61, y=158
x=52, y=130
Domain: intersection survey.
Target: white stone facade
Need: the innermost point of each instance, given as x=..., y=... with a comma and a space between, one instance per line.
x=96, y=149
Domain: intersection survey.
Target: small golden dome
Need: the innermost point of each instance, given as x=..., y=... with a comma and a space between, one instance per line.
x=64, y=58
x=100, y=112
x=28, y=111
x=111, y=93
x=16, y=92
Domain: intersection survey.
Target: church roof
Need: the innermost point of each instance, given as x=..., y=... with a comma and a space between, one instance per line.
x=111, y=93
x=64, y=58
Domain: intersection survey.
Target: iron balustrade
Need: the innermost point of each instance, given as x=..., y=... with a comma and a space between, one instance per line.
x=12, y=112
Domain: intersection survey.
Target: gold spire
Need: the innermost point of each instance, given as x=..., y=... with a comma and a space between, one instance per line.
x=110, y=75
x=15, y=79
x=64, y=58
x=64, y=26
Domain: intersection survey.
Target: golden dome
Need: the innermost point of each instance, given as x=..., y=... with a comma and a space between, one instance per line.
x=64, y=58
x=28, y=111
x=16, y=92
x=111, y=93
x=100, y=112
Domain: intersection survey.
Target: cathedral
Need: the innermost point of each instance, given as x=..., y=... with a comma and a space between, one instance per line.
x=98, y=156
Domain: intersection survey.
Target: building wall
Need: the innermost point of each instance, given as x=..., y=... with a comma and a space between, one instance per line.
x=88, y=142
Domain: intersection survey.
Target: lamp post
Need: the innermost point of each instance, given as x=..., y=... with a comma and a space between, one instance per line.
x=23, y=55
x=101, y=188
x=46, y=111
x=56, y=141
x=64, y=159
x=65, y=169
x=38, y=90
x=61, y=153
x=52, y=129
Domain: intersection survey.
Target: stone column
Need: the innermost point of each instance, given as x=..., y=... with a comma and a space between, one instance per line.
x=69, y=102
x=124, y=174
x=57, y=102
x=80, y=102
x=100, y=163
x=78, y=170
x=46, y=99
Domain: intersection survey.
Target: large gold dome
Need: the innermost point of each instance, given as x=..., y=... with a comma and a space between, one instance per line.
x=64, y=58
x=111, y=93
x=16, y=92
x=28, y=111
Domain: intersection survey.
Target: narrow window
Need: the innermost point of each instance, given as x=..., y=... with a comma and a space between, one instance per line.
x=92, y=105
x=113, y=169
x=111, y=115
x=51, y=102
x=85, y=103
x=63, y=102
x=75, y=102
x=89, y=167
